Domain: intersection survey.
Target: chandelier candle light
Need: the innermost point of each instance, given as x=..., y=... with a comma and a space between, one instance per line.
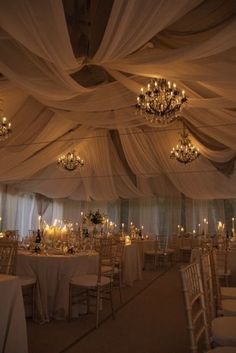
x=5, y=127
x=185, y=152
x=162, y=102
x=70, y=161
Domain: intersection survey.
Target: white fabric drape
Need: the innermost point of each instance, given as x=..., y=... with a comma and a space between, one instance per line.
x=191, y=42
x=158, y=215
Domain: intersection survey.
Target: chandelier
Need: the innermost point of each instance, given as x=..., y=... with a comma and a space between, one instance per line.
x=185, y=152
x=70, y=161
x=162, y=102
x=5, y=127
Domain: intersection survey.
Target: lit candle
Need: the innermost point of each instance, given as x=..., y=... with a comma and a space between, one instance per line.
x=178, y=229
x=111, y=224
x=142, y=227
x=39, y=222
x=81, y=223
x=182, y=229
x=199, y=228
x=233, y=225
x=205, y=226
x=1, y=224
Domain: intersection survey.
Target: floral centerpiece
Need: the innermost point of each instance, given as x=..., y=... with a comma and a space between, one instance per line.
x=94, y=218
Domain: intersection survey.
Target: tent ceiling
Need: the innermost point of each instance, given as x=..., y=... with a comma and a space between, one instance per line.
x=70, y=74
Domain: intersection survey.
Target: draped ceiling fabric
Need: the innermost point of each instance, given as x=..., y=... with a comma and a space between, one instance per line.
x=70, y=74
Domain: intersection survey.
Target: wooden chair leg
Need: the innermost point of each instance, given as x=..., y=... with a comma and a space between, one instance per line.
x=120, y=285
x=70, y=303
x=98, y=306
x=112, y=307
x=33, y=301
x=88, y=301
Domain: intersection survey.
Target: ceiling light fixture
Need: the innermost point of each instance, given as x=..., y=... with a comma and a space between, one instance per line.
x=70, y=161
x=185, y=152
x=162, y=102
x=5, y=127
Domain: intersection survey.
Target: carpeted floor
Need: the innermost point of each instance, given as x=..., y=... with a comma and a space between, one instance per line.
x=151, y=319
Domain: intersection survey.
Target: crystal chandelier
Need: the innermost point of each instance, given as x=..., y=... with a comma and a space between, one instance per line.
x=185, y=152
x=162, y=102
x=70, y=161
x=5, y=127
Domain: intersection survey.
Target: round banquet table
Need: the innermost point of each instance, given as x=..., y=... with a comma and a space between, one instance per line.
x=13, y=334
x=53, y=273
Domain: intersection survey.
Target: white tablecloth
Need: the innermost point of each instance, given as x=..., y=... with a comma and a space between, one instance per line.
x=13, y=335
x=132, y=266
x=53, y=274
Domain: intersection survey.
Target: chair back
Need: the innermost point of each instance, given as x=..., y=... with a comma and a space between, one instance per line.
x=195, y=306
x=163, y=241
x=173, y=242
x=118, y=253
x=11, y=234
x=105, y=256
x=8, y=254
x=215, y=280
x=205, y=266
x=195, y=255
x=221, y=259
x=186, y=241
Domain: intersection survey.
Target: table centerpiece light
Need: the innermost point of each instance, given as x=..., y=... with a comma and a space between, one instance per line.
x=94, y=219
x=161, y=103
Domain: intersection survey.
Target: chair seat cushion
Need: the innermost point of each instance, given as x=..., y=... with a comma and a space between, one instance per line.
x=108, y=269
x=229, y=307
x=185, y=248
x=153, y=252
x=222, y=272
x=89, y=281
x=222, y=350
x=228, y=292
x=224, y=331
x=169, y=251
x=27, y=281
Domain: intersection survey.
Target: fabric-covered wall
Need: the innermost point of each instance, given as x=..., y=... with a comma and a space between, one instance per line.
x=158, y=216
